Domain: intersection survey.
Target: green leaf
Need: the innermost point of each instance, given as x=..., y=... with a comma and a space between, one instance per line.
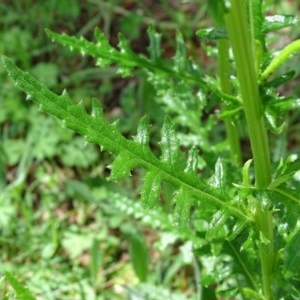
x=126, y=59
x=169, y=143
x=280, y=58
x=250, y=294
x=121, y=166
x=143, y=136
x=180, y=59
x=139, y=255
x=94, y=128
x=151, y=189
x=21, y=291
x=291, y=261
x=192, y=161
x=277, y=22
x=218, y=180
x=183, y=203
x=217, y=225
x=155, y=44
x=285, y=171
x=279, y=80
x=212, y=33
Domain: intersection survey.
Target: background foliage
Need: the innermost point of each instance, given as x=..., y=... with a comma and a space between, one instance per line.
x=65, y=230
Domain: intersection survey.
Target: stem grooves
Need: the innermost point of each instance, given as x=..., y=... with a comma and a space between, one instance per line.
x=242, y=46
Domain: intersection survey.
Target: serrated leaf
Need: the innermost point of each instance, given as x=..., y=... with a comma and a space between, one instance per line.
x=151, y=189
x=21, y=291
x=99, y=131
x=126, y=59
x=169, y=143
x=183, y=203
x=122, y=166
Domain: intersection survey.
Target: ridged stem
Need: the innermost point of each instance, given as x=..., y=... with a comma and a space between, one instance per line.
x=231, y=129
x=242, y=47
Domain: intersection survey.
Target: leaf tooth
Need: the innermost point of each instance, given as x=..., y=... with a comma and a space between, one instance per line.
x=65, y=94
x=28, y=97
x=115, y=123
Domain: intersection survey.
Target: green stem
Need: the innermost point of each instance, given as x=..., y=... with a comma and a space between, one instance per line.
x=217, y=13
x=242, y=47
x=231, y=129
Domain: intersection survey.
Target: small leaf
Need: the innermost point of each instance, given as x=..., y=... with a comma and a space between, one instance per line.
x=218, y=180
x=212, y=33
x=183, y=203
x=139, y=255
x=192, y=162
x=270, y=118
x=180, y=58
x=21, y=291
x=155, y=44
x=169, y=143
x=142, y=136
x=250, y=294
x=121, y=166
x=284, y=104
x=279, y=80
x=280, y=58
x=151, y=188
x=277, y=22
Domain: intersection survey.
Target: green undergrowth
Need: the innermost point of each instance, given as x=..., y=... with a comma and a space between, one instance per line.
x=202, y=163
